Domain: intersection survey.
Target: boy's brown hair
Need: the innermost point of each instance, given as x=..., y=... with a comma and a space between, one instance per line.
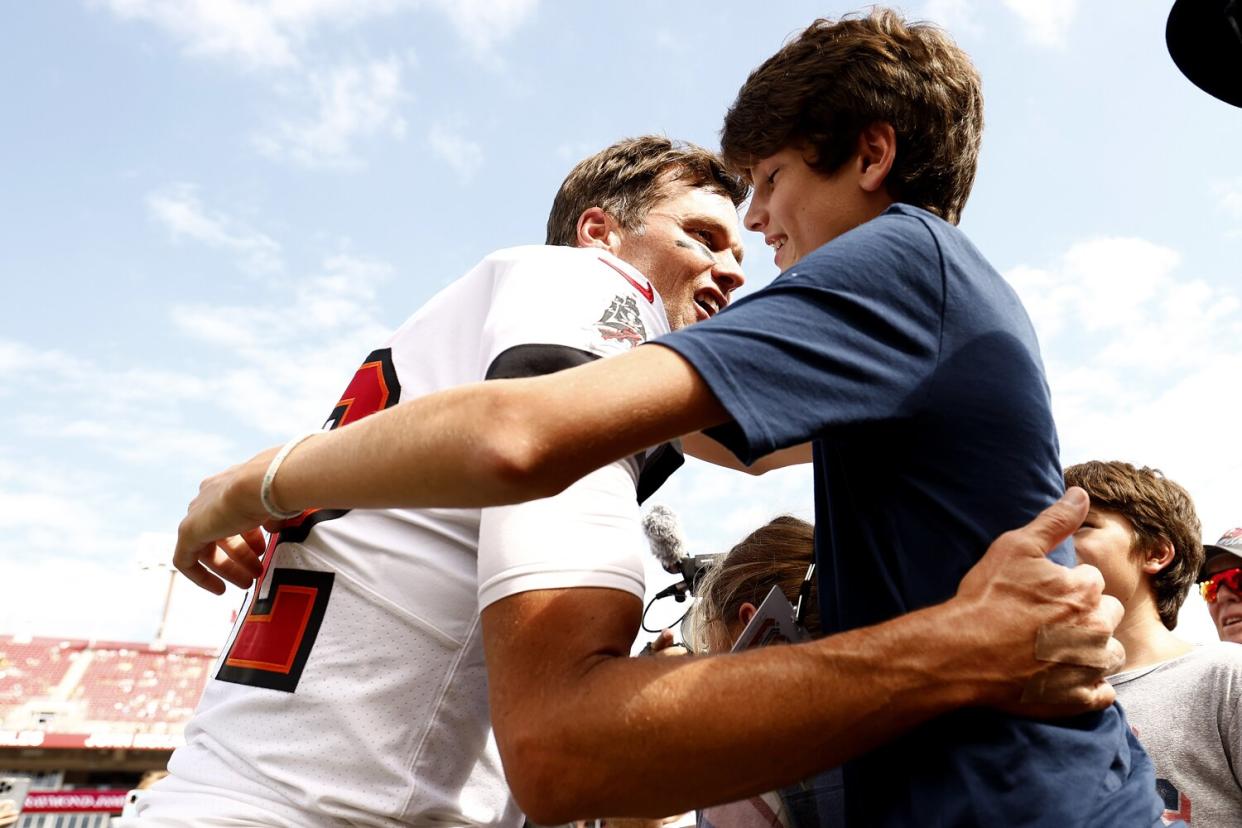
x=775, y=554
x=1159, y=510
x=838, y=77
x=630, y=176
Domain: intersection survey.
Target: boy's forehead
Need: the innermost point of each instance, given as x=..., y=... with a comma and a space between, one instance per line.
x=1104, y=511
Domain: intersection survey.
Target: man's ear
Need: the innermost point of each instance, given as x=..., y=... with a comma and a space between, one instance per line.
x=1158, y=557
x=598, y=229
x=746, y=612
x=877, y=150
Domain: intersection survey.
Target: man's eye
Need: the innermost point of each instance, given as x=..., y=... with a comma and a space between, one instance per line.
x=772, y=177
x=705, y=235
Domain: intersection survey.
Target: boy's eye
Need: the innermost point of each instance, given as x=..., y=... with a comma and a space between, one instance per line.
x=772, y=177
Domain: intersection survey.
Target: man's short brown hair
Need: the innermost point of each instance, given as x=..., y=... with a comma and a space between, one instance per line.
x=626, y=179
x=838, y=77
x=1159, y=510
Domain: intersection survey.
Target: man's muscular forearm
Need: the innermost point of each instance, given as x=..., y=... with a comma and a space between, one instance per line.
x=645, y=737
x=503, y=441
x=585, y=730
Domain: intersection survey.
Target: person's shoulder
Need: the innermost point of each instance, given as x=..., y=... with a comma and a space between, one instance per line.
x=545, y=254
x=900, y=225
x=560, y=259
x=1225, y=656
x=907, y=224
x=1217, y=663
x=919, y=227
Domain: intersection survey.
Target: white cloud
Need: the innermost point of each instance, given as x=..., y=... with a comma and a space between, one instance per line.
x=289, y=362
x=956, y=16
x=1046, y=21
x=273, y=368
x=1142, y=361
x=463, y=155
x=352, y=102
x=483, y=23
x=17, y=358
x=571, y=152
x=1100, y=284
x=65, y=509
x=111, y=599
x=1126, y=289
x=93, y=386
x=179, y=209
x=153, y=444
x=79, y=530
x=1230, y=195
x=275, y=33
x=225, y=29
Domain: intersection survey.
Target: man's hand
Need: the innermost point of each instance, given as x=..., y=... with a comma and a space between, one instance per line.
x=220, y=532
x=664, y=646
x=1013, y=593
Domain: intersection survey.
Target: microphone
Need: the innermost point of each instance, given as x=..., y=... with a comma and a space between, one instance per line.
x=663, y=532
x=668, y=545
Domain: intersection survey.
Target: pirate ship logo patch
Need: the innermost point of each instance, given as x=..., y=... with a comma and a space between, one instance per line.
x=622, y=322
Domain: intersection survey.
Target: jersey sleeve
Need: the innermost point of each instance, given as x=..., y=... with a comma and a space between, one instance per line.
x=848, y=336
x=555, y=309
x=587, y=536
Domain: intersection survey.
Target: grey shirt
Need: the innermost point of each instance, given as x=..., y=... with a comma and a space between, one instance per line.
x=1185, y=712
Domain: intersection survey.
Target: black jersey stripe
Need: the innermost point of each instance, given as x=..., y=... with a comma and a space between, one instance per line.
x=536, y=359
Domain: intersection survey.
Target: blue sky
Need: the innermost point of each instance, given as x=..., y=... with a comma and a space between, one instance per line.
x=211, y=210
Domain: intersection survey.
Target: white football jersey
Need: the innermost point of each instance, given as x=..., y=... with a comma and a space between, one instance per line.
x=352, y=687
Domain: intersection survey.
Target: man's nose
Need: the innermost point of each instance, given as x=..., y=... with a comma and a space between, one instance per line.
x=728, y=273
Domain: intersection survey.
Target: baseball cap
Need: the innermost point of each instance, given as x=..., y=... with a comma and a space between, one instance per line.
x=1229, y=543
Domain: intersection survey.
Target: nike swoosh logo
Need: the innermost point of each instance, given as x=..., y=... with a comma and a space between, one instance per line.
x=648, y=292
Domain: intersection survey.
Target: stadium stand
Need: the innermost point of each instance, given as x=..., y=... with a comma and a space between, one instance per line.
x=89, y=718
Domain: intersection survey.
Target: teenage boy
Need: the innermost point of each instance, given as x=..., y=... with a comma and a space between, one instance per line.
x=1182, y=701
x=1223, y=571
x=890, y=344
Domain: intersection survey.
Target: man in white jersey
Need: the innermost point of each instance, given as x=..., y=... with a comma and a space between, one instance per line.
x=352, y=687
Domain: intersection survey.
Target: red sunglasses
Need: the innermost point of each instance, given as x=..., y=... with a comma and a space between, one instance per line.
x=1231, y=578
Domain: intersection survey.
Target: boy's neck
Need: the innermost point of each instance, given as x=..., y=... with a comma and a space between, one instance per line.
x=1146, y=639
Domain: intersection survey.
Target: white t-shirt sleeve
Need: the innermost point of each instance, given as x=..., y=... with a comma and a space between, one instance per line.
x=587, y=536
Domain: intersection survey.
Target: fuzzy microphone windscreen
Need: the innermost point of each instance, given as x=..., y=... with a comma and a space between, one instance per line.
x=663, y=532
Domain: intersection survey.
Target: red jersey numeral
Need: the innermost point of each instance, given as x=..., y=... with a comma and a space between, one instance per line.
x=277, y=632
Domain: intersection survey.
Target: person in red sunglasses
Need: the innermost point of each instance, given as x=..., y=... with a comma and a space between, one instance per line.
x=1220, y=581
x=1182, y=701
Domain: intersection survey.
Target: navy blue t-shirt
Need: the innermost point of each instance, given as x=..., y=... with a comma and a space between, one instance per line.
x=913, y=367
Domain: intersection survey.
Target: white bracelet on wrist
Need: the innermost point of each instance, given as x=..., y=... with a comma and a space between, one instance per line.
x=265, y=490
